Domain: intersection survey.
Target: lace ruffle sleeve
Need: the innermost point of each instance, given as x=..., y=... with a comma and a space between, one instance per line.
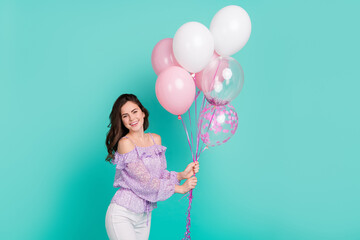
x=165, y=174
x=120, y=160
x=146, y=186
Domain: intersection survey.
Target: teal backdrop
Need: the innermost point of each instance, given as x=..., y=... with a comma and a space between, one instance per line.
x=291, y=171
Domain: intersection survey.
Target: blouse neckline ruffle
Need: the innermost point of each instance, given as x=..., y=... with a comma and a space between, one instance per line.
x=138, y=151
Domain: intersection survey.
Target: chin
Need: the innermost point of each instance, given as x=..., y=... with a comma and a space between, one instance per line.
x=136, y=129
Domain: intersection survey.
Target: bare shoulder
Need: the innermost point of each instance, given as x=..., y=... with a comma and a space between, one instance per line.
x=157, y=138
x=125, y=146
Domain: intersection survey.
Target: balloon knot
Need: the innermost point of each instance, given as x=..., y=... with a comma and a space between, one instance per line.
x=179, y=117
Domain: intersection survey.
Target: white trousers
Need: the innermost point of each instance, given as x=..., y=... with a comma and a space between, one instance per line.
x=123, y=224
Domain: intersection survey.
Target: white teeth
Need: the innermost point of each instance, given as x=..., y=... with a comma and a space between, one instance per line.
x=132, y=124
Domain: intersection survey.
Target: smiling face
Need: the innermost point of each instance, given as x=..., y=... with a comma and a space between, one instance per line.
x=132, y=116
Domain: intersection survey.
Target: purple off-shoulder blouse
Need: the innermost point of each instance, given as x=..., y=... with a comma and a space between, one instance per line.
x=143, y=179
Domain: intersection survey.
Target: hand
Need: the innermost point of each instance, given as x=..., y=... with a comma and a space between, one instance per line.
x=189, y=184
x=190, y=170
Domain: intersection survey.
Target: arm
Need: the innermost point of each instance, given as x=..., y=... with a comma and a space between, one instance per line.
x=143, y=184
x=176, y=176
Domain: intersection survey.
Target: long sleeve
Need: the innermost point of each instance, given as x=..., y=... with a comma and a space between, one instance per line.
x=165, y=174
x=143, y=184
x=171, y=175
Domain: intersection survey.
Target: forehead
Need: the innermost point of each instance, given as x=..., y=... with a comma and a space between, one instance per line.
x=128, y=107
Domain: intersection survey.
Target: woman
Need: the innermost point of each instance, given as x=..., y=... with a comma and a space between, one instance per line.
x=140, y=171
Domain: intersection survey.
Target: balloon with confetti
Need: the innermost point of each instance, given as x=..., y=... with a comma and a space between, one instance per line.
x=217, y=124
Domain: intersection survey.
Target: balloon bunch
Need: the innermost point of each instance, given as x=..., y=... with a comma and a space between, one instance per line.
x=198, y=60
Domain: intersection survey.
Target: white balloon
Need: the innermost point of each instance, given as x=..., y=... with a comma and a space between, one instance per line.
x=193, y=46
x=231, y=28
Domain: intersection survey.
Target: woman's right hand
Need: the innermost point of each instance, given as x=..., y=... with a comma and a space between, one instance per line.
x=189, y=184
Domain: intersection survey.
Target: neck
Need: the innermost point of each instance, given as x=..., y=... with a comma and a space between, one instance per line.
x=140, y=135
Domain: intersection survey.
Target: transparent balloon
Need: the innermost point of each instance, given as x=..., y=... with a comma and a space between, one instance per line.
x=217, y=124
x=222, y=80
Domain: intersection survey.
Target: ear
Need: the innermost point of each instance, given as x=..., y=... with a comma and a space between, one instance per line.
x=143, y=115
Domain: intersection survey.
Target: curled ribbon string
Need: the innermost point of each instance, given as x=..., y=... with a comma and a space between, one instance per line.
x=188, y=219
x=197, y=153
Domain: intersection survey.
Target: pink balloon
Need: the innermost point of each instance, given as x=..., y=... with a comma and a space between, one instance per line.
x=175, y=90
x=162, y=56
x=198, y=76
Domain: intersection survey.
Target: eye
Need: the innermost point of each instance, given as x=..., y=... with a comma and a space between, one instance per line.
x=135, y=111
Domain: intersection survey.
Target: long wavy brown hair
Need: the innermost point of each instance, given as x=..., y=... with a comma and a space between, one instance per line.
x=117, y=128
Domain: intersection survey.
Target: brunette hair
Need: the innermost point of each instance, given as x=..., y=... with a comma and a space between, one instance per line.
x=117, y=128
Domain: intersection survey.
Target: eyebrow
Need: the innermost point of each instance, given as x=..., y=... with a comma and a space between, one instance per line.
x=131, y=111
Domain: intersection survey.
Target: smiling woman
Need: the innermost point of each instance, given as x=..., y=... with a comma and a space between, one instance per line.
x=132, y=116
x=140, y=171
x=119, y=123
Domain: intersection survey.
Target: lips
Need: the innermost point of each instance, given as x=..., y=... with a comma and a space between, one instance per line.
x=134, y=123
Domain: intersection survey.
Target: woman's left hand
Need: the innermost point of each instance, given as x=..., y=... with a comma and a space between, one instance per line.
x=190, y=170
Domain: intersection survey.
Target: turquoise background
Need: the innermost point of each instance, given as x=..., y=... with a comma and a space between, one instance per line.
x=291, y=171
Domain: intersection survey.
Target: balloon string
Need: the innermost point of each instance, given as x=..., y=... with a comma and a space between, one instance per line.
x=197, y=126
x=189, y=117
x=191, y=135
x=207, y=130
x=198, y=129
x=188, y=219
x=204, y=149
x=187, y=134
x=184, y=196
x=202, y=104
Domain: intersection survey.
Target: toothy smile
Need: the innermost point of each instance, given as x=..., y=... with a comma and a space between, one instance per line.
x=134, y=123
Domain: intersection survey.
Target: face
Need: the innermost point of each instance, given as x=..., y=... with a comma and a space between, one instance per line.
x=132, y=116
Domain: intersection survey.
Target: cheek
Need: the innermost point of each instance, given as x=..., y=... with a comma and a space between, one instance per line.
x=141, y=116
